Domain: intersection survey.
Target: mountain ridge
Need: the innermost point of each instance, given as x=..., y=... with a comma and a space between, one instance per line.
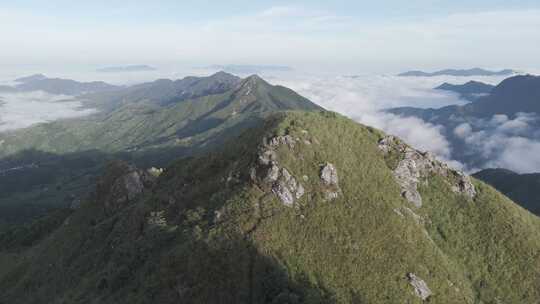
x=304, y=208
x=459, y=72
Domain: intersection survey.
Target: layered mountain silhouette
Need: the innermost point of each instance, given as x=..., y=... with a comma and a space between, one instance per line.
x=471, y=90
x=522, y=188
x=457, y=72
x=511, y=98
x=303, y=207
x=40, y=82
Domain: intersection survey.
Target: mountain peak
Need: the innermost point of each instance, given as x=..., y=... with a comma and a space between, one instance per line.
x=34, y=77
x=224, y=76
x=301, y=195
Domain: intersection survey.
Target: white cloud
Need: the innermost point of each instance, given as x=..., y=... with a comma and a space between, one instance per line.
x=506, y=143
x=463, y=130
x=22, y=110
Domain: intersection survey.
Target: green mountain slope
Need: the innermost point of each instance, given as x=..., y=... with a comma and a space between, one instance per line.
x=52, y=164
x=305, y=208
x=524, y=189
x=145, y=125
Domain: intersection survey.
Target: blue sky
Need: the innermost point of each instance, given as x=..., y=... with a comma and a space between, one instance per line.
x=384, y=35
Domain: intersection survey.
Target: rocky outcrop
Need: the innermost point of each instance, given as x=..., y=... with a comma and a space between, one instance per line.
x=287, y=188
x=415, y=167
x=270, y=174
x=282, y=140
x=122, y=184
x=420, y=287
x=330, y=180
x=464, y=185
x=329, y=175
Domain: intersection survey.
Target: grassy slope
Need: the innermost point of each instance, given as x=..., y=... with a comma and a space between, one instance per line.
x=355, y=249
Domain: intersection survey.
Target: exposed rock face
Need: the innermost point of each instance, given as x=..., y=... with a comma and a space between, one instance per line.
x=464, y=185
x=281, y=182
x=287, y=188
x=416, y=167
x=122, y=184
x=283, y=140
x=329, y=175
x=420, y=287
x=330, y=179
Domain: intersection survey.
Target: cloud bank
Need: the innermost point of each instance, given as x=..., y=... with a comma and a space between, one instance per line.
x=22, y=110
x=507, y=143
x=503, y=142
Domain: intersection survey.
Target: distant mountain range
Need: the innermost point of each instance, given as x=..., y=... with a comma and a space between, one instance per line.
x=126, y=68
x=456, y=72
x=471, y=90
x=514, y=95
x=40, y=82
x=524, y=189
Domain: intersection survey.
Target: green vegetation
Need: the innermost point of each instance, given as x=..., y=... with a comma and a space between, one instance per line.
x=150, y=125
x=209, y=231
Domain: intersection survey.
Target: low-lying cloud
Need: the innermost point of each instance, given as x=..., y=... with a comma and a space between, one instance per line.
x=21, y=110
x=511, y=143
x=363, y=97
x=504, y=142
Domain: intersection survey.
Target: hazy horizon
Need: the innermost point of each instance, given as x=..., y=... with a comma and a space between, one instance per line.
x=341, y=37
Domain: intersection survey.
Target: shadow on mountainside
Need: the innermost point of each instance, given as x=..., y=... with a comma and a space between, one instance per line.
x=115, y=250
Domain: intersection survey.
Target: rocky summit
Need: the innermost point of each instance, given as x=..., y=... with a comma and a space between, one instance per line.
x=305, y=207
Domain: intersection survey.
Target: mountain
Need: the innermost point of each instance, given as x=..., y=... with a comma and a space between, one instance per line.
x=35, y=77
x=524, y=189
x=301, y=208
x=471, y=90
x=127, y=68
x=40, y=82
x=149, y=124
x=514, y=98
x=165, y=113
x=164, y=91
x=511, y=96
x=454, y=72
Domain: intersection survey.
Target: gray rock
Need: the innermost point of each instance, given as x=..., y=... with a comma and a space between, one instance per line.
x=122, y=184
x=464, y=185
x=330, y=179
x=329, y=175
x=132, y=184
x=283, y=140
x=273, y=174
x=416, y=167
x=287, y=188
x=283, y=193
x=266, y=157
x=420, y=287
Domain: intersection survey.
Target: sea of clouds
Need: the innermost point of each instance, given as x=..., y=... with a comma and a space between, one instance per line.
x=21, y=110
x=508, y=143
